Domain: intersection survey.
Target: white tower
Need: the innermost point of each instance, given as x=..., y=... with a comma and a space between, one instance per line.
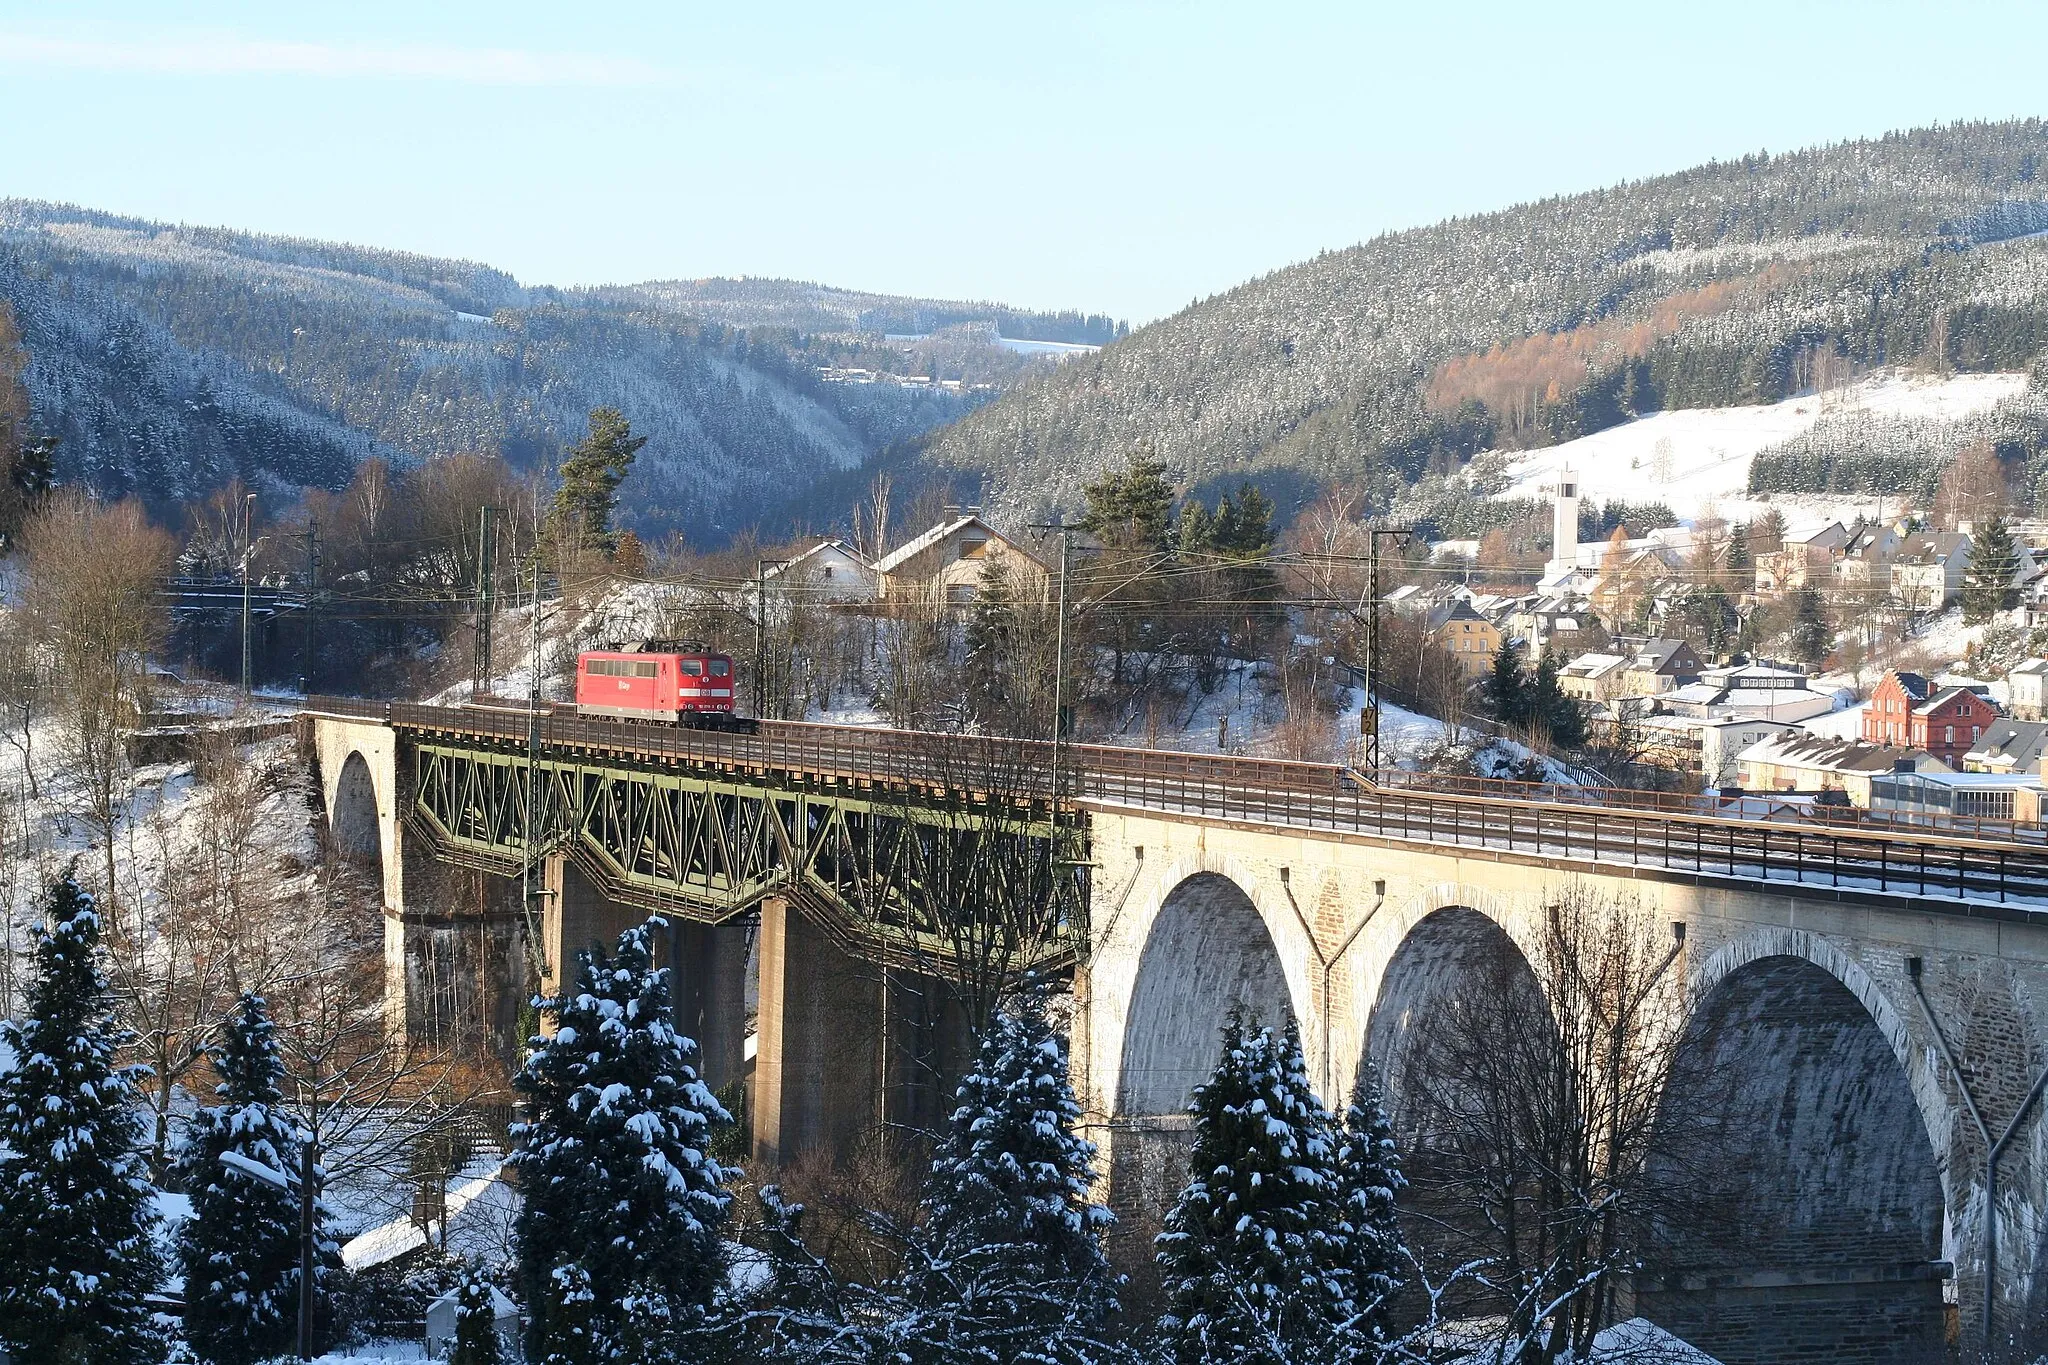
x=1564, y=525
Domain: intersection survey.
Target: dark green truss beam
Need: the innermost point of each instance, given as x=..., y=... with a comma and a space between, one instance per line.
x=903, y=875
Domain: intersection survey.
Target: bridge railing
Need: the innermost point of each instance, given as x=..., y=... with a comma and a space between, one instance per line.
x=1917, y=863
x=1744, y=807
x=1969, y=864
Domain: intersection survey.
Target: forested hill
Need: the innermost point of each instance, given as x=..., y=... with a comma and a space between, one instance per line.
x=170, y=359
x=807, y=307
x=1734, y=282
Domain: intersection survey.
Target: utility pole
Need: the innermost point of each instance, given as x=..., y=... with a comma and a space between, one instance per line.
x=530, y=852
x=248, y=548
x=1065, y=530
x=1370, y=720
x=761, y=636
x=486, y=575
x=312, y=595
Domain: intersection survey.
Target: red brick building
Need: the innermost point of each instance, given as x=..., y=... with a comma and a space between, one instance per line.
x=1905, y=710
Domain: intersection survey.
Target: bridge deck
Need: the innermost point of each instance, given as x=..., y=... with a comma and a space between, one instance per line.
x=1968, y=863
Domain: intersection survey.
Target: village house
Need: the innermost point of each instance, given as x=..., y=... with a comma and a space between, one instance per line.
x=2024, y=688
x=1927, y=573
x=949, y=560
x=2008, y=746
x=831, y=569
x=1865, y=560
x=1723, y=741
x=1469, y=638
x=1657, y=665
x=1593, y=677
x=1806, y=554
x=1795, y=761
x=1906, y=710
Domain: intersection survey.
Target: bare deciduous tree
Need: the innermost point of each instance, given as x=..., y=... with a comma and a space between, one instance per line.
x=1531, y=1101
x=90, y=598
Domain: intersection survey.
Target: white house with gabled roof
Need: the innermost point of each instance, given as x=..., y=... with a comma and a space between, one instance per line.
x=831, y=569
x=951, y=558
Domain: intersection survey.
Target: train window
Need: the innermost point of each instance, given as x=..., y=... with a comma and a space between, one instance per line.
x=644, y=670
x=602, y=668
x=721, y=668
x=692, y=667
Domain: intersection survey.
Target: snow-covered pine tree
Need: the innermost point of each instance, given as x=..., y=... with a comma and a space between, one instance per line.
x=75, y=1215
x=1368, y=1179
x=622, y=1197
x=1008, y=1264
x=239, y=1251
x=1994, y=563
x=1507, y=687
x=1251, y=1255
x=990, y=639
x=476, y=1322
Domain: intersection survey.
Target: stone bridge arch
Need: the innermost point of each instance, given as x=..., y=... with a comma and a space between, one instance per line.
x=1799, y=1085
x=1449, y=954
x=355, y=811
x=1190, y=941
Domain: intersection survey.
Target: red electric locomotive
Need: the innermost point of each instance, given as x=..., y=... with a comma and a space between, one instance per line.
x=679, y=682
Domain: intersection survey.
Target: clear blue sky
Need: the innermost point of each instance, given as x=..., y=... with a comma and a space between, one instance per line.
x=1113, y=157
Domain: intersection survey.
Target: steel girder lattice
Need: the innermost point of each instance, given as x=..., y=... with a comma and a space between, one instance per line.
x=901, y=876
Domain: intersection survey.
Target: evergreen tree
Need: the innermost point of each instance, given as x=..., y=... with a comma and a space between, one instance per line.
x=991, y=641
x=239, y=1251
x=1547, y=703
x=1811, y=633
x=1988, y=583
x=476, y=1323
x=591, y=475
x=624, y=1203
x=1253, y=1258
x=1130, y=509
x=1369, y=1178
x=1009, y=1264
x=76, y=1255
x=1507, y=687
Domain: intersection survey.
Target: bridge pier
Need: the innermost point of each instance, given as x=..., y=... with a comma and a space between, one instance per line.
x=816, y=1063
x=710, y=983
x=845, y=1046
x=707, y=962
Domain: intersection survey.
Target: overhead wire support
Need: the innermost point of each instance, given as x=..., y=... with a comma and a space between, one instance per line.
x=1371, y=716
x=486, y=592
x=1065, y=530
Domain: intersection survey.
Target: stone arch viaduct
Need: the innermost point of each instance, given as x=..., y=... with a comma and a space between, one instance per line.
x=1882, y=1039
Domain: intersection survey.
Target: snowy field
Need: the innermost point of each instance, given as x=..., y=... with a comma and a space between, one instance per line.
x=1698, y=457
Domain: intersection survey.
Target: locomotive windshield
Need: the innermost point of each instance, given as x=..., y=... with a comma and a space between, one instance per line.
x=693, y=667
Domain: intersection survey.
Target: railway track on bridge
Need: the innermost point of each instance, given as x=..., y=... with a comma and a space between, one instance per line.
x=1973, y=864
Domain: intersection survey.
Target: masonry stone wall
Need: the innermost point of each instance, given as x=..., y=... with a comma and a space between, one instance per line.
x=1858, y=1063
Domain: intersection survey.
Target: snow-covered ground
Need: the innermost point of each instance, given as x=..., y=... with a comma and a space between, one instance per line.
x=1696, y=457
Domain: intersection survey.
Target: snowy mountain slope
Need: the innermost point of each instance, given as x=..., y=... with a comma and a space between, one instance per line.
x=1712, y=287
x=170, y=359
x=1699, y=457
